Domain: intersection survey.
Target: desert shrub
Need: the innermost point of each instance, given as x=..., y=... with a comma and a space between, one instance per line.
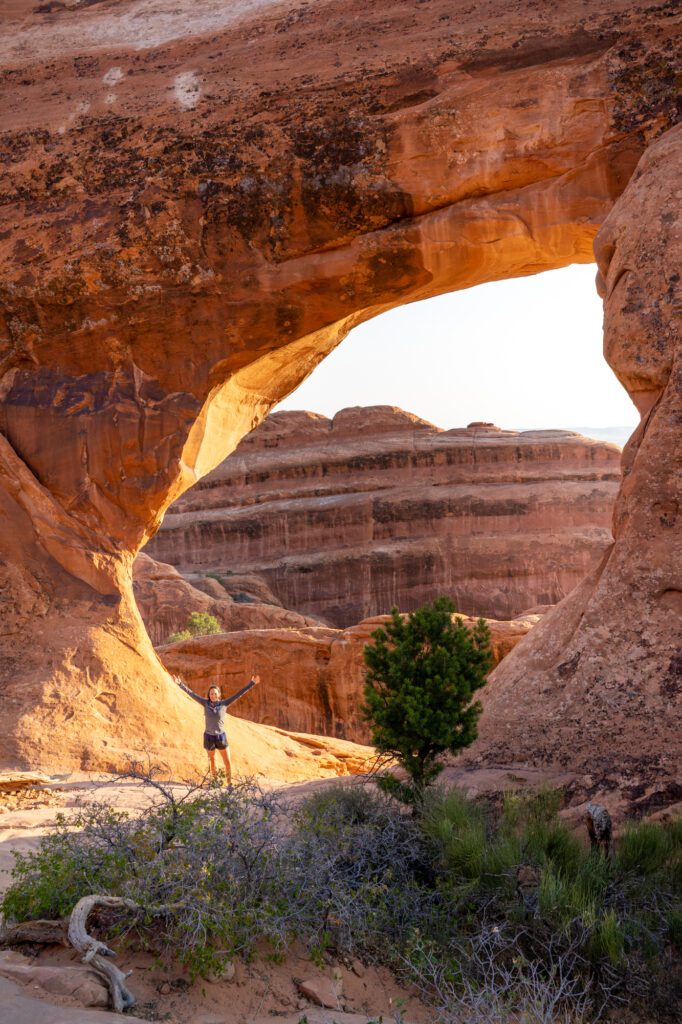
x=213, y=860
x=457, y=827
x=487, y=979
x=176, y=638
x=365, y=868
x=202, y=624
x=198, y=624
x=646, y=848
x=607, y=922
x=437, y=897
x=70, y=864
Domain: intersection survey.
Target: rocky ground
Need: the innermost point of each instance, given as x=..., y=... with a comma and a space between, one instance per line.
x=328, y=993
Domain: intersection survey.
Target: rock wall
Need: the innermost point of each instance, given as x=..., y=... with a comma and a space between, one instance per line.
x=312, y=679
x=347, y=518
x=599, y=684
x=198, y=203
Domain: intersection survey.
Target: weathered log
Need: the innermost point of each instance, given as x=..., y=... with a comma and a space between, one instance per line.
x=46, y=933
x=73, y=931
x=95, y=952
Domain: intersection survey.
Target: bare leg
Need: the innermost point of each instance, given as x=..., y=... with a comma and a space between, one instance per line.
x=211, y=762
x=227, y=761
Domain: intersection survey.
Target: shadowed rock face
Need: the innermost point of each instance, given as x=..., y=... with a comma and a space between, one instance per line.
x=599, y=683
x=197, y=206
x=348, y=518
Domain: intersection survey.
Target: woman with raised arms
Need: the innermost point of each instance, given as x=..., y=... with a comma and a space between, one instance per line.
x=215, y=737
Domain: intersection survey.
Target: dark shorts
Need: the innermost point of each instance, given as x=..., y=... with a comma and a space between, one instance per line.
x=215, y=741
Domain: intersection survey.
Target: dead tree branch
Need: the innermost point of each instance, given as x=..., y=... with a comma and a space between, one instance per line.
x=94, y=952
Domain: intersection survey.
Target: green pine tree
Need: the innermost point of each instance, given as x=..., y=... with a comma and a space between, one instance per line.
x=423, y=671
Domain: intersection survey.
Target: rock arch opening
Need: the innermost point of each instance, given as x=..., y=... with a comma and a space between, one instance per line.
x=357, y=505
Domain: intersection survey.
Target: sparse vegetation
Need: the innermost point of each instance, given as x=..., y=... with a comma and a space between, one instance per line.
x=496, y=913
x=422, y=673
x=198, y=624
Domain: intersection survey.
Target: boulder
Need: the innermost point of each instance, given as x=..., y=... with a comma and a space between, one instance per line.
x=322, y=991
x=166, y=600
x=79, y=984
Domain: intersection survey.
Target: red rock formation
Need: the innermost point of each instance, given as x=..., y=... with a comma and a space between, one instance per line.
x=313, y=679
x=198, y=204
x=599, y=684
x=166, y=600
x=348, y=518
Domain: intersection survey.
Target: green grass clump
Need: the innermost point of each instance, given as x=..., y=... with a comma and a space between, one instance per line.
x=646, y=848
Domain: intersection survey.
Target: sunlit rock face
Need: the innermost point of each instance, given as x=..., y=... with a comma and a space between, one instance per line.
x=599, y=683
x=198, y=202
x=313, y=678
x=349, y=517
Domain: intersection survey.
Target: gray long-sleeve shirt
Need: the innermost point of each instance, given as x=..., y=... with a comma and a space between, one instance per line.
x=214, y=711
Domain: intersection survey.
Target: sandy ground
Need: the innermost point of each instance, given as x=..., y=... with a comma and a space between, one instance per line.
x=258, y=992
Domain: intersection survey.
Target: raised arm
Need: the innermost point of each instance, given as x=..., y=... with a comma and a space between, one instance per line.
x=240, y=693
x=191, y=693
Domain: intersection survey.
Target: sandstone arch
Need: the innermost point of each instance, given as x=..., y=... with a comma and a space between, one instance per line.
x=189, y=228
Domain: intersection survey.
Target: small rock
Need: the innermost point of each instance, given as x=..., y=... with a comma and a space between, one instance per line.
x=164, y=988
x=302, y=1004
x=358, y=969
x=78, y=983
x=322, y=992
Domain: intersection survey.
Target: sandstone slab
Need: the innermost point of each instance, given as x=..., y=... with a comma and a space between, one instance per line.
x=79, y=984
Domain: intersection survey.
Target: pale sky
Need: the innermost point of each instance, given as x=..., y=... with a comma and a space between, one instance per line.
x=524, y=354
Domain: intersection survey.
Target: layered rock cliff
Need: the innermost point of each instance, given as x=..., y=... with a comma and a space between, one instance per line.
x=347, y=518
x=199, y=202
x=312, y=678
